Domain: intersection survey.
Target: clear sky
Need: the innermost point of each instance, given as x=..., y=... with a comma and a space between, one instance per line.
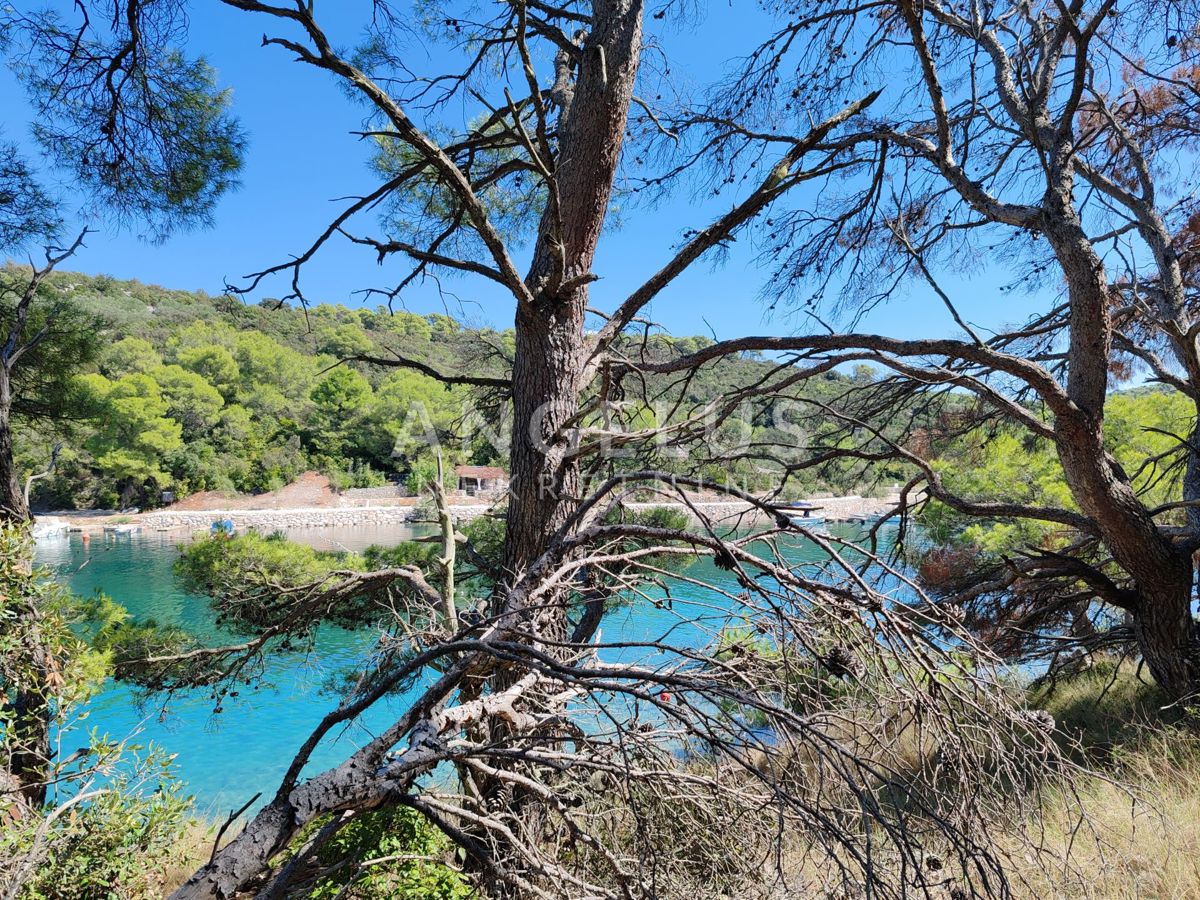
x=302, y=156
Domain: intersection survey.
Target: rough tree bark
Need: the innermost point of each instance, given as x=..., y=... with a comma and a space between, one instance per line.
x=548, y=366
x=13, y=508
x=1162, y=571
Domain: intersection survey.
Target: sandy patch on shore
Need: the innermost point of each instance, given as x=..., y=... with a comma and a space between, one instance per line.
x=309, y=490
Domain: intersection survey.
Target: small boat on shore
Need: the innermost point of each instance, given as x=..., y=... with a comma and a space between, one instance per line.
x=874, y=520
x=123, y=528
x=804, y=515
x=47, y=527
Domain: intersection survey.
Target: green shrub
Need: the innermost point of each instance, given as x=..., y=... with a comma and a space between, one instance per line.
x=213, y=564
x=122, y=842
x=408, y=553
x=394, y=854
x=355, y=475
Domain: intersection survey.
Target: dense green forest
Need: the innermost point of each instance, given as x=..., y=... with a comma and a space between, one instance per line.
x=166, y=390
x=186, y=392
x=148, y=389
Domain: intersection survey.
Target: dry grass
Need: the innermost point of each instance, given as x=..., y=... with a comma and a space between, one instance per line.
x=1141, y=838
x=1130, y=829
x=193, y=850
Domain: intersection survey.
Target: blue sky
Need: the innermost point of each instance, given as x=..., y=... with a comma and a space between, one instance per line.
x=301, y=157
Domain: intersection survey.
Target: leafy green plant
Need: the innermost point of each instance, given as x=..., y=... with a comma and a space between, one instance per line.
x=392, y=854
x=116, y=837
x=243, y=575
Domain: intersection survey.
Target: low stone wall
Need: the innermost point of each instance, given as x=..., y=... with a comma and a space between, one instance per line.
x=267, y=520
x=855, y=507
x=384, y=492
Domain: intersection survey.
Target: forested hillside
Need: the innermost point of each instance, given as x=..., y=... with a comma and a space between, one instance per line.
x=165, y=390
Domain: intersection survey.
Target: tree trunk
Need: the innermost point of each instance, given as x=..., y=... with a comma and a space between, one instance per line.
x=12, y=494
x=1191, y=476
x=549, y=333
x=545, y=380
x=1162, y=572
x=1167, y=638
x=28, y=741
x=1166, y=632
x=547, y=376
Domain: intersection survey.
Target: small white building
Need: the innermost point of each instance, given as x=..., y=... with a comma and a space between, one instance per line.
x=477, y=481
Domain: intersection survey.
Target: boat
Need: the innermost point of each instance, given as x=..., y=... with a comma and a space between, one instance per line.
x=123, y=528
x=873, y=521
x=804, y=515
x=807, y=521
x=47, y=527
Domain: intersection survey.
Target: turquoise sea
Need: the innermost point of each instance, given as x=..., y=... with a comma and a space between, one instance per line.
x=226, y=757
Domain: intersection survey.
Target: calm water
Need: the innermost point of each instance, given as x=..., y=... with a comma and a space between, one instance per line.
x=226, y=757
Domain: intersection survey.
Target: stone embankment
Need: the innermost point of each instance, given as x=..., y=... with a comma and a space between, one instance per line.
x=266, y=520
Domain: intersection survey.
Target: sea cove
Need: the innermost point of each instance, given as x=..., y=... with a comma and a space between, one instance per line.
x=220, y=756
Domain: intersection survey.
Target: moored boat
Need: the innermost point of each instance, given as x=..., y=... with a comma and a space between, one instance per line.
x=804, y=515
x=46, y=527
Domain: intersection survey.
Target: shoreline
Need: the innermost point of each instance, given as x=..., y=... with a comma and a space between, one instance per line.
x=834, y=509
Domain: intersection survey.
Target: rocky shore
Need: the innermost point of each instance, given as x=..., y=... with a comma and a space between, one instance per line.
x=267, y=520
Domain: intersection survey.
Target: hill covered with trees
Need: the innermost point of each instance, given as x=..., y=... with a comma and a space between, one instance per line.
x=167, y=390
x=186, y=392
